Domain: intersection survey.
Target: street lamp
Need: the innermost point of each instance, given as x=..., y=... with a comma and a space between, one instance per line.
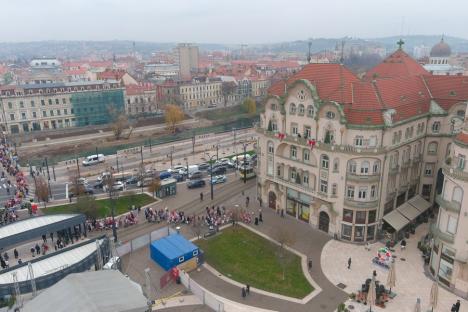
x=211, y=173
x=243, y=163
x=110, y=187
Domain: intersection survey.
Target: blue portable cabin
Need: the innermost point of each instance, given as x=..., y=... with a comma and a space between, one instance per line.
x=172, y=250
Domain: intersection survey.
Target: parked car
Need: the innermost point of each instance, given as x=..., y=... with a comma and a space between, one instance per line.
x=145, y=182
x=195, y=175
x=83, y=189
x=196, y=183
x=132, y=180
x=218, y=170
x=164, y=175
x=218, y=179
x=203, y=166
x=93, y=159
x=99, y=184
x=118, y=186
x=179, y=177
x=82, y=181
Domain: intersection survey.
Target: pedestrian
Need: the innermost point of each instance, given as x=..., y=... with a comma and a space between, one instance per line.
x=349, y=263
x=243, y=293
x=201, y=196
x=52, y=237
x=38, y=249
x=44, y=238
x=20, y=261
x=310, y=264
x=457, y=306
x=256, y=221
x=15, y=252
x=247, y=200
x=374, y=274
x=247, y=289
x=261, y=201
x=282, y=213
x=33, y=252
x=6, y=256
x=260, y=216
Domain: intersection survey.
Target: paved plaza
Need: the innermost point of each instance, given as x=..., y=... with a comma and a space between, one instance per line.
x=411, y=283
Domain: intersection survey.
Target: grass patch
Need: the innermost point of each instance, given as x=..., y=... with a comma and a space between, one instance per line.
x=250, y=259
x=122, y=204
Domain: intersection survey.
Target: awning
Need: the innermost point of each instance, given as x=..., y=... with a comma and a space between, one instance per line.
x=396, y=220
x=419, y=203
x=409, y=211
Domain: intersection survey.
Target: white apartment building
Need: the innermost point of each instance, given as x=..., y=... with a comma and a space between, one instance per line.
x=358, y=158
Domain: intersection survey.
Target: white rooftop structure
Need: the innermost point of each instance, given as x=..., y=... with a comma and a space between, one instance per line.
x=94, y=291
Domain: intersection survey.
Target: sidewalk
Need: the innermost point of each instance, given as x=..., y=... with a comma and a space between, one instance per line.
x=411, y=281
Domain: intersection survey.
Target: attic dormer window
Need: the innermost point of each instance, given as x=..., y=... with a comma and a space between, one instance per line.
x=452, y=93
x=330, y=115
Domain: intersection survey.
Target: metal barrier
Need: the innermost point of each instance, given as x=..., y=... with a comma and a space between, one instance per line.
x=203, y=295
x=143, y=240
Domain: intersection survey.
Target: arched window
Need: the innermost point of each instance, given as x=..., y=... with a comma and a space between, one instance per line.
x=352, y=166
x=292, y=109
x=301, y=109
x=365, y=167
x=306, y=155
x=457, y=195
x=271, y=147
x=336, y=164
x=432, y=148
x=310, y=111
x=324, y=160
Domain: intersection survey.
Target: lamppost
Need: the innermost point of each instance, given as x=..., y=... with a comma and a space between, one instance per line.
x=110, y=188
x=235, y=150
x=211, y=173
x=243, y=163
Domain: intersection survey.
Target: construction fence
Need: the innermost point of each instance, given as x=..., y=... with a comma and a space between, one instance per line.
x=143, y=241
x=203, y=295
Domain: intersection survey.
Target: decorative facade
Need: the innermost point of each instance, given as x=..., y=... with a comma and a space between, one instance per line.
x=357, y=158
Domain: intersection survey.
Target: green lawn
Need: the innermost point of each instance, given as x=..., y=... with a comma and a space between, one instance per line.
x=250, y=259
x=104, y=206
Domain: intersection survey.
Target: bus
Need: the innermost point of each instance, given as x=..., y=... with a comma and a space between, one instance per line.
x=248, y=171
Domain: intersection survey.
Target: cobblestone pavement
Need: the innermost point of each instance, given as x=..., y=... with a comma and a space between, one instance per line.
x=411, y=283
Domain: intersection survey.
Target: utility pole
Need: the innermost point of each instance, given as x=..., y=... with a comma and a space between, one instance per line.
x=211, y=175
x=48, y=177
x=78, y=166
x=96, y=151
x=142, y=169
x=150, y=145
x=172, y=152
x=117, y=161
x=245, y=171
x=217, y=150
x=53, y=171
x=193, y=142
x=235, y=150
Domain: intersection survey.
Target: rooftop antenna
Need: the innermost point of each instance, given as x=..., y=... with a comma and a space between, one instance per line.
x=308, y=55
x=400, y=44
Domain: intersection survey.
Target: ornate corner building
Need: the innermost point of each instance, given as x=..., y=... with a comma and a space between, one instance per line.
x=358, y=158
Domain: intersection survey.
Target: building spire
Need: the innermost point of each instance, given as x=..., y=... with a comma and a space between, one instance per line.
x=308, y=55
x=400, y=44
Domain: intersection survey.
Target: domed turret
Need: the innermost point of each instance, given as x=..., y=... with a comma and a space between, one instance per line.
x=441, y=49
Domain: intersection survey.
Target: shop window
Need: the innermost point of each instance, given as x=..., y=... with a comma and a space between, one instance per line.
x=346, y=231
x=360, y=217
x=348, y=215
x=370, y=232
x=372, y=216
x=359, y=233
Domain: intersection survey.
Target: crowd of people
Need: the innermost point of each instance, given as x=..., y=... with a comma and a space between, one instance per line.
x=17, y=190
x=125, y=220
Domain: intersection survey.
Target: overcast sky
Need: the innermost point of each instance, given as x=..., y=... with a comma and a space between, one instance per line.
x=227, y=21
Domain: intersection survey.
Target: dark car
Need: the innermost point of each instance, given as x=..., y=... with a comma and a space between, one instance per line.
x=84, y=189
x=179, y=177
x=131, y=180
x=218, y=170
x=98, y=184
x=196, y=183
x=164, y=175
x=203, y=166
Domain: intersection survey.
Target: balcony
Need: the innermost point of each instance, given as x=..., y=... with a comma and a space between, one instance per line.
x=455, y=172
x=293, y=162
x=446, y=237
x=394, y=170
x=296, y=186
x=362, y=177
x=448, y=205
x=361, y=204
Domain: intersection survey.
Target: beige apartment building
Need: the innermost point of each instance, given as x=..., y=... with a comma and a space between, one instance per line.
x=449, y=258
x=49, y=106
x=359, y=158
x=187, y=56
x=201, y=93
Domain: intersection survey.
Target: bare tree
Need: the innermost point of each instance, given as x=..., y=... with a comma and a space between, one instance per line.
x=76, y=188
x=197, y=227
x=42, y=190
x=154, y=186
x=119, y=122
x=87, y=205
x=227, y=89
x=235, y=216
x=285, y=238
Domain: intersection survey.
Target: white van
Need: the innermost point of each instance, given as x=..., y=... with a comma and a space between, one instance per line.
x=192, y=168
x=94, y=159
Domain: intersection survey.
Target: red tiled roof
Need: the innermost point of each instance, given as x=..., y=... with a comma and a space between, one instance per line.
x=277, y=88
x=448, y=90
x=397, y=64
x=71, y=72
x=138, y=89
x=366, y=107
x=111, y=74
